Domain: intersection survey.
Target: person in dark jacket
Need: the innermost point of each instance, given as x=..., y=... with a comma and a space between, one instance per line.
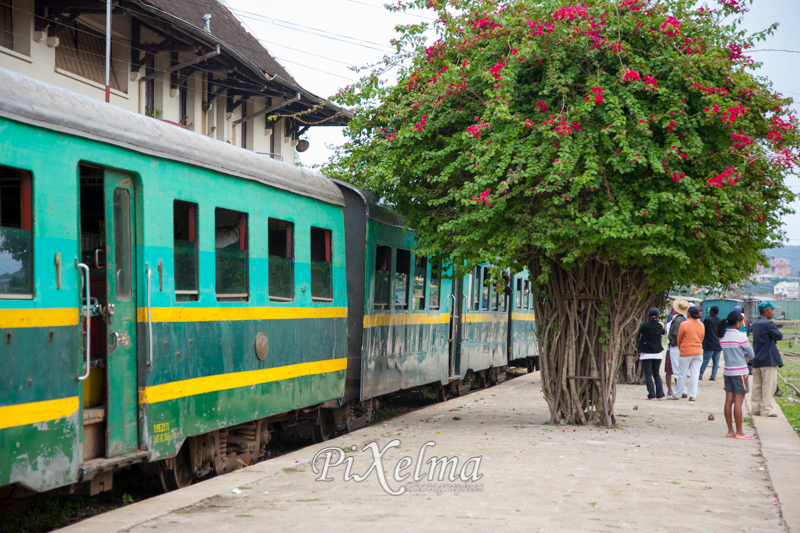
x=711, y=346
x=766, y=361
x=650, y=353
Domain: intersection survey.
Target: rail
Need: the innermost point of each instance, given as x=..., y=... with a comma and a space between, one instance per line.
x=85, y=267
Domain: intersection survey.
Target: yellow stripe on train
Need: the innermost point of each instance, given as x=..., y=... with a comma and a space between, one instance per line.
x=222, y=314
x=484, y=317
x=522, y=316
x=235, y=380
x=38, y=318
x=404, y=319
x=35, y=412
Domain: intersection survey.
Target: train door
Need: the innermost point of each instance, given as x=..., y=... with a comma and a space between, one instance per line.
x=108, y=246
x=456, y=300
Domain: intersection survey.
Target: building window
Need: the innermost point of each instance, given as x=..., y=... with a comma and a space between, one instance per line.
x=183, y=109
x=383, y=258
x=185, y=251
x=6, y=25
x=230, y=236
x=435, y=286
x=244, y=126
x=150, y=89
x=82, y=51
x=321, y=265
x=281, y=260
x=420, y=279
x=16, y=234
x=402, y=271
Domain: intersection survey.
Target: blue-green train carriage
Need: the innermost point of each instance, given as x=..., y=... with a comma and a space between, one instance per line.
x=169, y=298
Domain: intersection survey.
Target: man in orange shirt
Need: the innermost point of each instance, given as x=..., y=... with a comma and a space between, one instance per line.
x=690, y=343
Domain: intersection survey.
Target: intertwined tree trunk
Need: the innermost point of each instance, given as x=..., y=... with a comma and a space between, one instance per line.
x=584, y=316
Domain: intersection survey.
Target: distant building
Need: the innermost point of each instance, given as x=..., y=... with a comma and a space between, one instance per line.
x=779, y=267
x=787, y=289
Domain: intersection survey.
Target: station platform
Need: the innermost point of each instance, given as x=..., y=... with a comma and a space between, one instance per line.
x=665, y=467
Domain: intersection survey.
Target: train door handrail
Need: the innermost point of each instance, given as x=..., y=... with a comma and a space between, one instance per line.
x=88, y=323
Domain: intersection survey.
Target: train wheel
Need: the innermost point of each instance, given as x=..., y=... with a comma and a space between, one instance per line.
x=324, y=430
x=180, y=475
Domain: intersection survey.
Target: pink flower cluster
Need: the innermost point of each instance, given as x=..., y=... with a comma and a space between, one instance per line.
x=539, y=27
x=741, y=139
x=494, y=71
x=710, y=90
x=542, y=107
x=678, y=177
x=564, y=129
x=483, y=198
x=421, y=124
x=631, y=75
x=598, y=95
x=671, y=126
x=570, y=13
x=651, y=81
x=733, y=113
x=475, y=129
x=671, y=26
x=729, y=177
x=634, y=4
x=778, y=126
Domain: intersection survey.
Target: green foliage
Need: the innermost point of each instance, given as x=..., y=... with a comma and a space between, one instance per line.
x=636, y=132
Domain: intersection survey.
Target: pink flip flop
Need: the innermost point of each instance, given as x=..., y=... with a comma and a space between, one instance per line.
x=744, y=437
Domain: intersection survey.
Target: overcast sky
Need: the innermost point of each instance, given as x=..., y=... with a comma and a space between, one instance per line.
x=316, y=40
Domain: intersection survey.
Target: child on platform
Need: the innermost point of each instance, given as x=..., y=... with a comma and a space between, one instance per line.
x=738, y=352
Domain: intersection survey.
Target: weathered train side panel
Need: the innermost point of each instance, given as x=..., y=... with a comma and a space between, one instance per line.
x=206, y=372
x=522, y=323
x=402, y=347
x=40, y=396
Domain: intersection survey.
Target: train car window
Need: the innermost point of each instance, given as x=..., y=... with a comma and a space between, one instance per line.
x=486, y=289
x=185, y=250
x=321, y=266
x=526, y=294
x=420, y=279
x=402, y=273
x=122, y=243
x=518, y=293
x=494, y=297
x=383, y=258
x=281, y=260
x=16, y=234
x=435, y=286
x=502, y=298
x=230, y=242
x=476, y=289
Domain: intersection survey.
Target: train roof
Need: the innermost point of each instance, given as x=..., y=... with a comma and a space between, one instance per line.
x=31, y=101
x=376, y=210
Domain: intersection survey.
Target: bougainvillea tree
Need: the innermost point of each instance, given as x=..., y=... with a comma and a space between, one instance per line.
x=615, y=149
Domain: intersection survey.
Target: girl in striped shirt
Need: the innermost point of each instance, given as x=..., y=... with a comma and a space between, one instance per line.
x=737, y=352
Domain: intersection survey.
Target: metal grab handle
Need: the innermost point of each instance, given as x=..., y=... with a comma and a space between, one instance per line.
x=115, y=335
x=88, y=324
x=97, y=257
x=149, y=321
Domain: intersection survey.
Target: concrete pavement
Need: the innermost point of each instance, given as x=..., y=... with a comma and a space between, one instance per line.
x=666, y=467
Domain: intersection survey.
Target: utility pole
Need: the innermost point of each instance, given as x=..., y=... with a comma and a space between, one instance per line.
x=108, y=50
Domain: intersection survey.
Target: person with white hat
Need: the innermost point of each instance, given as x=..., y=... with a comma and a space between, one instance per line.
x=690, y=345
x=679, y=308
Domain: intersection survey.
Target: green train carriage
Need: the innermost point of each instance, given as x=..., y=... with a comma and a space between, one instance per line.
x=216, y=286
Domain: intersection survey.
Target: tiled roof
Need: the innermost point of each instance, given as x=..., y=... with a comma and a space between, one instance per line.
x=225, y=27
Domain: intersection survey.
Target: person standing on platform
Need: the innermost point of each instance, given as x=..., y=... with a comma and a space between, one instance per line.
x=650, y=350
x=690, y=346
x=679, y=308
x=711, y=347
x=738, y=352
x=767, y=360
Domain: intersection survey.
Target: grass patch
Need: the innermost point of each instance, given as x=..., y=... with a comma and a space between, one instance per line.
x=310, y=500
x=291, y=469
x=592, y=504
x=244, y=516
